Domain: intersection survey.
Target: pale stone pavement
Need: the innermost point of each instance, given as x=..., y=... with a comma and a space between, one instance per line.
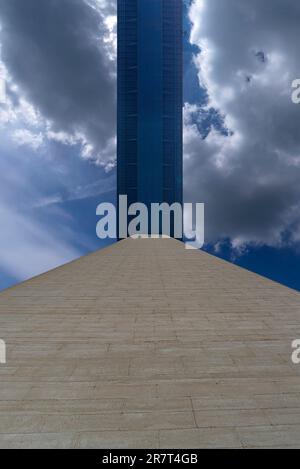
x=148, y=345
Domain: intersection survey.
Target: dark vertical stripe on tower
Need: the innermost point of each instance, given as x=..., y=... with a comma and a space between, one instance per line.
x=127, y=99
x=172, y=99
x=150, y=101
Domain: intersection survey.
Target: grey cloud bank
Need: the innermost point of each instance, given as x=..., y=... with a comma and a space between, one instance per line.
x=59, y=54
x=249, y=180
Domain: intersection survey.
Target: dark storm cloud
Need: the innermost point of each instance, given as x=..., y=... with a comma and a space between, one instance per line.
x=55, y=51
x=249, y=179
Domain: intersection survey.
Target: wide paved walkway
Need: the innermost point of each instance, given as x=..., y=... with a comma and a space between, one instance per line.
x=148, y=345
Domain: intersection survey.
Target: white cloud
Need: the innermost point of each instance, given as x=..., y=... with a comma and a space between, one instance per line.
x=27, y=249
x=26, y=137
x=250, y=178
x=67, y=94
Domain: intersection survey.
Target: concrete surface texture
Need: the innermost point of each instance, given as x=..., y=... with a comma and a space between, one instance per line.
x=148, y=345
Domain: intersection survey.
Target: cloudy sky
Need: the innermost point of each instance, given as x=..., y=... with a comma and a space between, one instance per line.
x=58, y=136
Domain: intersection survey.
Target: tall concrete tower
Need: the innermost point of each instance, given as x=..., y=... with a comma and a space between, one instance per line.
x=146, y=344
x=150, y=100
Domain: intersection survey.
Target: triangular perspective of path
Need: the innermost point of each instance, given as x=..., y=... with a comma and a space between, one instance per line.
x=148, y=345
